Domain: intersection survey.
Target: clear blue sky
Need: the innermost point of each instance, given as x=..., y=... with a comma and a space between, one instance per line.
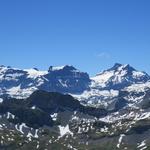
x=90, y=34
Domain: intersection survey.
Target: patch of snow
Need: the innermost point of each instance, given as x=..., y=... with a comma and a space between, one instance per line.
x=144, y=148
x=54, y=116
x=19, y=93
x=96, y=97
x=10, y=115
x=56, y=68
x=142, y=116
x=63, y=83
x=29, y=136
x=102, y=79
x=134, y=115
x=75, y=118
x=14, y=90
x=33, y=73
x=36, y=133
x=104, y=130
x=15, y=75
x=33, y=107
x=65, y=130
x=137, y=74
x=97, y=93
x=135, y=99
x=1, y=100
x=37, y=147
x=1, y=126
x=23, y=125
x=142, y=144
x=3, y=69
x=120, y=140
x=140, y=87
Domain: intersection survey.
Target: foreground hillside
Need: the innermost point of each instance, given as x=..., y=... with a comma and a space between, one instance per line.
x=55, y=121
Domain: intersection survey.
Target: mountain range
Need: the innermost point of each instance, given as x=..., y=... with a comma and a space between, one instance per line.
x=64, y=108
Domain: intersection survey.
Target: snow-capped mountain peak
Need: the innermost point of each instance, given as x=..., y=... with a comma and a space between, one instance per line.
x=63, y=68
x=119, y=76
x=118, y=66
x=21, y=83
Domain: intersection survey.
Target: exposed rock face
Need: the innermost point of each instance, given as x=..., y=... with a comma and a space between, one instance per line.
x=21, y=83
x=119, y=77
x=66, y=80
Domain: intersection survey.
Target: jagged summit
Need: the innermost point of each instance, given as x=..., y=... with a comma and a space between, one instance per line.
x=65, y=79
x=65, y=67
x=120, y=76
x=118, y=66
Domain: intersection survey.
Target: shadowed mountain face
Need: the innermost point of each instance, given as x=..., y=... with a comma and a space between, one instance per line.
x=62, y=122
x=66, y=80
x=21, y=83
x=35, y=111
